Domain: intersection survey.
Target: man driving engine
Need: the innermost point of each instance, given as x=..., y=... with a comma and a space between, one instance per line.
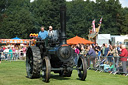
x=43, y=33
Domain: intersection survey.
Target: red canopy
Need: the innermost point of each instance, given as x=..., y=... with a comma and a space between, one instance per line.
x=77, y=39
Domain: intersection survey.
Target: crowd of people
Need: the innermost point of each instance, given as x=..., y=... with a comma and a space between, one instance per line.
x=12, y=53
x=110, y=58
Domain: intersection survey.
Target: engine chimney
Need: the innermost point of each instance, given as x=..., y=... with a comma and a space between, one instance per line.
x=63, y=24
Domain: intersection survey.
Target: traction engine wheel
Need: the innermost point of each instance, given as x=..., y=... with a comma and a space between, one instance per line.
x=33, y=62
x=82, y=71
x=46, y=69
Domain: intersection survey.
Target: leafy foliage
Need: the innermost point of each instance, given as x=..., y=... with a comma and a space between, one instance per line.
x=20, y=17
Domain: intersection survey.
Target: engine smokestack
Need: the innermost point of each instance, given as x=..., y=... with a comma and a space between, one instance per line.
x=63, y=24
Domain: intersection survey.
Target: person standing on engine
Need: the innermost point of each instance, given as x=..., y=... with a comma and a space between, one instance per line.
x=43, y=33
x=50, y=32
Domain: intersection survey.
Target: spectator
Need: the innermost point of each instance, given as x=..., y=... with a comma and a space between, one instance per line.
x=83, y=52
x=110, y=54
x=106, y=50
x=105, y=66
x=1, y=50
x=79, y=47
x=99, y=53
x=6, y=51
x=110, y=68
x=77, y=54
x=17, y=53
x=98, y=57
x=103, y=49
x=0, y=59
x=92, y=55
x=21, y=53
x=4, y=48
x=116, y=56
x=10, y=53
x=24, y=51
x=118, y=49
x=123, y=58
x=14, y=52
x=97, y=47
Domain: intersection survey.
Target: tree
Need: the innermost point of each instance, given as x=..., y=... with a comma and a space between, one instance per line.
x=124, y=27
x=19, y=21
x=20, y=17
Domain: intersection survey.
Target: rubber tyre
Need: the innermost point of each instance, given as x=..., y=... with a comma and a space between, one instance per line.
x=33, y=62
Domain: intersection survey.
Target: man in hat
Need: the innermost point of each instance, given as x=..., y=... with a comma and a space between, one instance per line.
x=50, y=31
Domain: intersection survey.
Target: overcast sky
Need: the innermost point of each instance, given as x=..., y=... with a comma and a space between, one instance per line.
x=123, y=2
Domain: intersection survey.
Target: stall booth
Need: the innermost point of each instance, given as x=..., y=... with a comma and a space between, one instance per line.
x=15, y=41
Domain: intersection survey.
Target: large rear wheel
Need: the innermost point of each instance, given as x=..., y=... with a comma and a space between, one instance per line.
x=33, y=62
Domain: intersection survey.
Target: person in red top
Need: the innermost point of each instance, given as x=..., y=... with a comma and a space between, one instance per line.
x=123, y=58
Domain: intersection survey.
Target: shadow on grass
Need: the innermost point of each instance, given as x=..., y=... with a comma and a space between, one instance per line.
x=57, y=77
x=33, y=78
x=80, y=79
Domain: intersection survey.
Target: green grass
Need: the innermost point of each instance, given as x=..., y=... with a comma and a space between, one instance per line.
x=14, y=73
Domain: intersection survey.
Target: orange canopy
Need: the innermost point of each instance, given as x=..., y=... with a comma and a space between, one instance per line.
x=77, y=39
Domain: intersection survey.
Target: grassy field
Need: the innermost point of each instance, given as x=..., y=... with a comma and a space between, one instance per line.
x=14, y=73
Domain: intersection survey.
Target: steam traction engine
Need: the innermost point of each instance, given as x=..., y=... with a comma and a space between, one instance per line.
x=53, y=54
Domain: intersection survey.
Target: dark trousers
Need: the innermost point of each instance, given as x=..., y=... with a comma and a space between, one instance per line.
x=6, y=56
x=93, y=61
x=124, y=66
x=0, y=56
x=109, y=58
x=116, y=61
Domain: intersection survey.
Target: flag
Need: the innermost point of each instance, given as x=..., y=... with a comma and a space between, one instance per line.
x=100, y=21
x=93, y=26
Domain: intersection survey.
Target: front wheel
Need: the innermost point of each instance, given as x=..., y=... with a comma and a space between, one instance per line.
x=46, y=68
x=82, y=68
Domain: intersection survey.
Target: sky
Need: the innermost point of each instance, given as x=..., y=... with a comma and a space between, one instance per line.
x=123, y=2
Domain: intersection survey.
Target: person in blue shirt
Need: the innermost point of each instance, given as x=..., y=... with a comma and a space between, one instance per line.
x=106, y=50
x=43, y=33
x=99, y=53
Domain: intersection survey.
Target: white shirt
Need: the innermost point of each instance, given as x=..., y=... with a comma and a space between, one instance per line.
x=50, y=33
x=6, y=50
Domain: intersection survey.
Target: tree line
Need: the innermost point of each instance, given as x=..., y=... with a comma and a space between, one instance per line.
x=20, y=17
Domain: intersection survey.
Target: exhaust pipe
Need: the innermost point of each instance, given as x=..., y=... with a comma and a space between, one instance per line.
x=63, y=24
